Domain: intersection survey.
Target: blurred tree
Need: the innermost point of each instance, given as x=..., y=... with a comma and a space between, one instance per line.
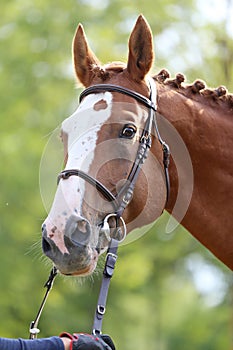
x=154, y=300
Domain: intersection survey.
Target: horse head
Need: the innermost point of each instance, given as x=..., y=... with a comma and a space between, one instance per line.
x=102, y=140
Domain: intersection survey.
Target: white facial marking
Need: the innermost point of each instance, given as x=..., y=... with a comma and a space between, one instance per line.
x=82, y=130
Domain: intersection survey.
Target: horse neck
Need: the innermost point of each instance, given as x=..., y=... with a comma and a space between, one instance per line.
x=206, y=128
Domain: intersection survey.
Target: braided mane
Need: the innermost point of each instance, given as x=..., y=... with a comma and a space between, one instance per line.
x=197, y=90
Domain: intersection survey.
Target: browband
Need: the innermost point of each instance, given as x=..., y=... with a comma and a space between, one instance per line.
x=122, y=90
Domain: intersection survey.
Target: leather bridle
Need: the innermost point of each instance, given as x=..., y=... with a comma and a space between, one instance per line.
x=121, y=200
x=124, y=196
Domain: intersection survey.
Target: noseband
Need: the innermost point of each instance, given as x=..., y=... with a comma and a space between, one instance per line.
x=123, y=198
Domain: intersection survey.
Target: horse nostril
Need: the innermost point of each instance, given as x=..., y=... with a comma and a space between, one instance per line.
x=78, y=230
x=45, y=245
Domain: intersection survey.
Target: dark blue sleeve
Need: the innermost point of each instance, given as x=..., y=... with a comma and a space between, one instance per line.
x=53, y=343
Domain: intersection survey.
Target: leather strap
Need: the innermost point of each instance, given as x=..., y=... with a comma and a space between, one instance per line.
x=122, y=90
x=65, y=174
x=110, y=262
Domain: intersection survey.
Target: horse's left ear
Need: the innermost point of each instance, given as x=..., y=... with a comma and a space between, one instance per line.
x=141, y=51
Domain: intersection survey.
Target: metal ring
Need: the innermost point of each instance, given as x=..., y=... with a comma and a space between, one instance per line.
x=34, y=330
x=123, y=223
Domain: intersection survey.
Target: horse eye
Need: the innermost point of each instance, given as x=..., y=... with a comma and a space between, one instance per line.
x=128, y=131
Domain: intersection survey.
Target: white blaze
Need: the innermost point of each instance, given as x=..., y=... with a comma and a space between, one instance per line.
x=82, y=130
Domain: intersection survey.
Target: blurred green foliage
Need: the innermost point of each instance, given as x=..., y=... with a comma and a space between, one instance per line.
x=155, y=301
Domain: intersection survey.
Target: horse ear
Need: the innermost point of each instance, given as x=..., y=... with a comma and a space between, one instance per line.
x=83, y=57
x=141, y=51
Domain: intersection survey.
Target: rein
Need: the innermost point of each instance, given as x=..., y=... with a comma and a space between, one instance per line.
x=120, y=201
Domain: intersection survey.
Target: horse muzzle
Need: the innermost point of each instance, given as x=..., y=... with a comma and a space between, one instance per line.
x=72, y=251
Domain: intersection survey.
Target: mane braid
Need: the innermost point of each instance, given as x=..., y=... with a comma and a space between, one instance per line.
x=197, y=90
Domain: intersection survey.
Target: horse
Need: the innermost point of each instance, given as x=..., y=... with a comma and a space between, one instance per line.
x=115, y=176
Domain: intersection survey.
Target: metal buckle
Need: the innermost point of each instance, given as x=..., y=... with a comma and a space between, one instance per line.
x=126, y=200
x=105, y=223
x=101, y=309
x=111, y=254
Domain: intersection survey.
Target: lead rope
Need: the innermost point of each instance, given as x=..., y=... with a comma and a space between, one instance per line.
x=34, y=330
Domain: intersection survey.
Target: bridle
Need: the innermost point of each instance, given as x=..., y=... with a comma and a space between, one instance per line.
x=124, y=196
x=119, y=201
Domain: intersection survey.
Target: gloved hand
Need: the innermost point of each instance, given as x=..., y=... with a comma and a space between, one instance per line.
x=80, y=341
